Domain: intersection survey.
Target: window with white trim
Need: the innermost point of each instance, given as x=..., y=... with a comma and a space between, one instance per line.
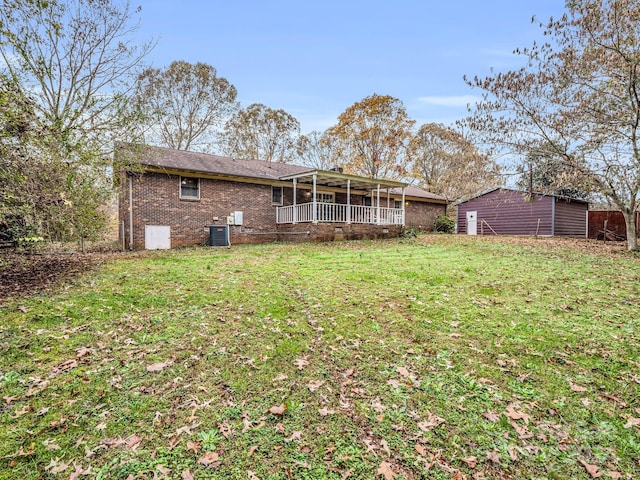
x=276, y=195
x=397, y=204
x=190, y=188
x=325, y=197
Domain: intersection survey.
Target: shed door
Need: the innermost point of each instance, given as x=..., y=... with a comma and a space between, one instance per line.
x=157, y=237
x=472, y=223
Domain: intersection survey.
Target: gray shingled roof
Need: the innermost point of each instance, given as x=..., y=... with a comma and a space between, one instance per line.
x=166, y=158
x=411, y=191
x=214, y=164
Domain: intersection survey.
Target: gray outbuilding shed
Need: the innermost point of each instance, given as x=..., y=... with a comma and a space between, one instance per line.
x=503, y=211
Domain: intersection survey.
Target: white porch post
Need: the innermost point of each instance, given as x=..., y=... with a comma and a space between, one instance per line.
x=314, y=215
x=295, y=210
x=378, y=207
x=403, y=206
x=388, y=193
x=348, y=201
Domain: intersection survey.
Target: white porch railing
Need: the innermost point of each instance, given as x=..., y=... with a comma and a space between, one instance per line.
x=338, y=213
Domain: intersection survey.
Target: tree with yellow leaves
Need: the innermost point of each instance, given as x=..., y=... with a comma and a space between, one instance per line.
x=373, y=137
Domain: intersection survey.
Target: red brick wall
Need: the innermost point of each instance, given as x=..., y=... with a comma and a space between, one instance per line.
x=328, y=232
x=422, y=216
x=156, y=201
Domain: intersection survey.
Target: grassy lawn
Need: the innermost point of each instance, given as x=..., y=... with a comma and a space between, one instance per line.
x=438, y=357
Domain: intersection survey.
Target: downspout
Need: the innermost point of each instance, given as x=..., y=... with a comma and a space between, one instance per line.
x=130, y=212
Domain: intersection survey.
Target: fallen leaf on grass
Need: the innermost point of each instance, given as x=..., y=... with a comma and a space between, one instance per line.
x=23, y=411
x=252, y=476
x=208, y=458
x=158, y=367
x=64, y=366
x=133, y=441
x=385, y=447
x=187, y=475
x=493, y=456
x=385, y=470
x=377, y=405
x=632, y=422
x=492, y=417
x=613, y=474
x=225, y=429
x=296, y=435
x=403, y=371
x=432, y=421
x=517, y=415
x=394, y=383
x=301, y=363
x=278, y=409
x=471, y=461
x=420, y=449
x=57, y=423
x=592, y=470
x=79, y=470
x=324, y=411
x=252, y=450
x=163, y=470
x=56, y=466
x=577, y=388
x=314, y=385
x=51, y=445
x=193, y=446
x=82, y=351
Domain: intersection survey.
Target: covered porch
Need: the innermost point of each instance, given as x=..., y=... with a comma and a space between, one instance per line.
x=381, y=210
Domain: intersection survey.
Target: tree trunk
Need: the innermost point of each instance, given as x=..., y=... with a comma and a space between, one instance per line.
x=632, y=232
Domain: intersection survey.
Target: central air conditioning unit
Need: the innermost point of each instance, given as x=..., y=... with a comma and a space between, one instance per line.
x=219, y=236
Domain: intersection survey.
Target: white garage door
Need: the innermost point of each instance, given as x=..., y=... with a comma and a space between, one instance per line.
x=157, y=237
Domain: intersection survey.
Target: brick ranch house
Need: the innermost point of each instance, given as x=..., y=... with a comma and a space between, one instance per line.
x=174, y=197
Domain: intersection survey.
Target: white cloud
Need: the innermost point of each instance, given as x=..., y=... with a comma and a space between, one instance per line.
x=454, y=101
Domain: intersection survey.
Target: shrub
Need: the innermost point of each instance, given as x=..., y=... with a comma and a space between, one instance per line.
x=444, y=224
x=410, y=233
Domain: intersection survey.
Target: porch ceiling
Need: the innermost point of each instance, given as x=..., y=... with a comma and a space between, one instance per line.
x=340, y=180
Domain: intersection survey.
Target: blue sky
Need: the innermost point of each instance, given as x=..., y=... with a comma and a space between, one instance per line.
x=316, y=58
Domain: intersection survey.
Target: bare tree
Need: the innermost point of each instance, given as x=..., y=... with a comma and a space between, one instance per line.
x=186, y=102
x=373, y=137
x=577, y=100
x=318, y=150
x=446, y=163
x=70, y=65
x=261, y=132
x=77, y=59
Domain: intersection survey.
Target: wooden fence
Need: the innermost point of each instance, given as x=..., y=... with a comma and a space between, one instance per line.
x=607, y=225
